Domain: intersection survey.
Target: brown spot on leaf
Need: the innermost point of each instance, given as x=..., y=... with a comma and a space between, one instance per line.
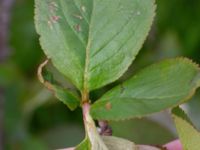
x=108, y=106
x=55, y=18
x=77, y=27
x=78, y=16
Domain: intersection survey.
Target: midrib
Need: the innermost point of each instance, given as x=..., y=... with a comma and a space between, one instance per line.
x=87, y=57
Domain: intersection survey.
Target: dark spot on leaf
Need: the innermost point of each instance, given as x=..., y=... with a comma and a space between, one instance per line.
x=77, y=27
x=55, y=18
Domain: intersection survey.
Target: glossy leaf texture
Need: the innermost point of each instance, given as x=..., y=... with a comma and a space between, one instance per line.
x=93, y=42
x=64, y=95
x=160, y=86
x=189, y=136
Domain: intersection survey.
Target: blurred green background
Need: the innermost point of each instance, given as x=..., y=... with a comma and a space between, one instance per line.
x=34, y=120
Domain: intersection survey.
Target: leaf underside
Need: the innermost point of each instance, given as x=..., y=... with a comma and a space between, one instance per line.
x=115, y=143
x=64, y=95
x=160, y=86
x=111, y=143
x=189, y=136
x=93, y=42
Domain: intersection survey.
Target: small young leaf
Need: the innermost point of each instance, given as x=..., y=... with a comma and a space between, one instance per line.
x=92, y=42
x=160, y=86
x=68, y=98
x=189, y=136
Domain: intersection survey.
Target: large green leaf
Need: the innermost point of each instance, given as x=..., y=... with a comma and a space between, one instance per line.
x=189, y=136
x=160, y=86
x=92, y=42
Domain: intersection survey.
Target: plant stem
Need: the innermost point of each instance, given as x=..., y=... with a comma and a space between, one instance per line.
x=85, y=97
x=88, y=122
x=91, y=130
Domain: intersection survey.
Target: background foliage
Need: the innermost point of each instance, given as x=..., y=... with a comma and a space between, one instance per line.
x=34, y=119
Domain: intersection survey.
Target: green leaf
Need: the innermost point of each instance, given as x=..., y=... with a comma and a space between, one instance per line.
x=192, y=109
x=160, y=86
x=68, y=98
x=93, y=42
x=85, y=145
x=189, y=136
x=144, y=128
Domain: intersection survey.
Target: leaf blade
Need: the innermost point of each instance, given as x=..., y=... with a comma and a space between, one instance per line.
x=74, y=34
x=112, y=53
x=160, y=86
